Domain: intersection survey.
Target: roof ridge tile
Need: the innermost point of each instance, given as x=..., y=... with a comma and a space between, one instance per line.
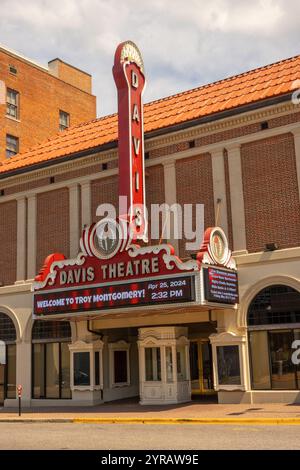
x=254, y=85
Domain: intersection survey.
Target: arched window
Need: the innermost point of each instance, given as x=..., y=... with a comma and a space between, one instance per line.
x=8, y=358
x=7, y=329
x=274, y=325
x=51, y=330
x=51, y=359
x=274, y=305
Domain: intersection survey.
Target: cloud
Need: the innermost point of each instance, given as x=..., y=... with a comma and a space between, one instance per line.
x=184, y=43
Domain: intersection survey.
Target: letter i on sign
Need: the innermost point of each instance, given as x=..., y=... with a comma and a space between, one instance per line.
x=128, y=72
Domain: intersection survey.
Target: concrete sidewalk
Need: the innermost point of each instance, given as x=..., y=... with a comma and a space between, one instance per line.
x=129, y=411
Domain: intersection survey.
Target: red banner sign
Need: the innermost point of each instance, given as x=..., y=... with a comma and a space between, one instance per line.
x=156, y=291
x=221, y=286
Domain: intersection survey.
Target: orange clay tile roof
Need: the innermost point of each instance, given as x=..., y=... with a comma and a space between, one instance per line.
x=256, y=85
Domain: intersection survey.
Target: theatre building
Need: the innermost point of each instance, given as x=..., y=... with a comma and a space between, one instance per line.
x=87, y=317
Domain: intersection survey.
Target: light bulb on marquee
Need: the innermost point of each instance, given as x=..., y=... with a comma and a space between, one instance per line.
x=128, y=72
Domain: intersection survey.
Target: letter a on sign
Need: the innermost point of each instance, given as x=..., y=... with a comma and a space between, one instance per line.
x=136, y=144
x=128, y=71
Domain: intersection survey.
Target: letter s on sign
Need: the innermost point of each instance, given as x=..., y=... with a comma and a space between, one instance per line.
x=296, y=354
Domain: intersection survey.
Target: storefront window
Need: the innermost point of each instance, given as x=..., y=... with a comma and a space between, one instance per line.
x=228, y=365
x=153, y=364
x=270, y=317
x=169, y=364
x=51, y=359
x=39, y=371
x=297, y=338
x=82, y=368
x=275, y=305
x=11, y=371
x=52, y=371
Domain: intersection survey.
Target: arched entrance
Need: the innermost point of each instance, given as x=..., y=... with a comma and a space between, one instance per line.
x=274, y=325
x=51, y=359
x=7, y=358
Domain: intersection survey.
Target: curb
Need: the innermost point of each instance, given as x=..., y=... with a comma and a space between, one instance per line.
x=116, y=420
x=36, y=420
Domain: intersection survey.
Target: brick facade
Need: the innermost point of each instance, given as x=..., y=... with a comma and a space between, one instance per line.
x=194, y=183
x=41, y=96
x=53, y=225
x=160, y=152
x=71, y=75
x=271, y=196
x=155, y=192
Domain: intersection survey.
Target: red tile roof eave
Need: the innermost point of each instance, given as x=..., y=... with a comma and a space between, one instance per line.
x=57, y=160
x=221, y=114
x=150, y=134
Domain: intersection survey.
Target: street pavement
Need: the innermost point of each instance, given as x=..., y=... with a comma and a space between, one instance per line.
x=66, y=436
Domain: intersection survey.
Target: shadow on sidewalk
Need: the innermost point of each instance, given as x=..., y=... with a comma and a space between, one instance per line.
x=128, y=405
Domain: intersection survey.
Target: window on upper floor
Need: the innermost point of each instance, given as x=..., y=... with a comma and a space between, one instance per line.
x=12, y=145
x=12, y=103
x=64, y=120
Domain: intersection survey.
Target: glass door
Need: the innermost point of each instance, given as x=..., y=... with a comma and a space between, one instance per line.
x=283, y=371
x=201, y=367
x=2, y=383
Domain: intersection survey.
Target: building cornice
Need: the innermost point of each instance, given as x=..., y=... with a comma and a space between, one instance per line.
x=250, y=117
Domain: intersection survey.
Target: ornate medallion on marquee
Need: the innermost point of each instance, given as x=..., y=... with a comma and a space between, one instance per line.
x=112, y=270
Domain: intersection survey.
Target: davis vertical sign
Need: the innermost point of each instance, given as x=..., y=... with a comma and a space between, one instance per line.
x=128, y=72
x=112, y=271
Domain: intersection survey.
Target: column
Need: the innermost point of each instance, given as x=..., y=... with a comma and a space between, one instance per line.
x=31, y=236
x=296, y=133
x=237, y=199
x=21, y=239
x=74, y=209
x=86, y=208
x=220, y=201
x=171, y=197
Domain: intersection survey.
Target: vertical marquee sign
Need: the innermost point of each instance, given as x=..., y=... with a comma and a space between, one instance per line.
x=128, y=72
x=111, y=270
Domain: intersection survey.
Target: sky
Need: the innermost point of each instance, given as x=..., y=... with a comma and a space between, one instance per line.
x=184, y=43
